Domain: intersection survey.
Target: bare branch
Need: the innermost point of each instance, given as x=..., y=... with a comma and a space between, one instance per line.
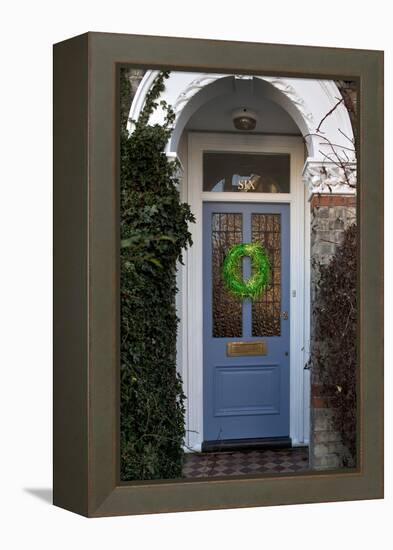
x=329, y=142
x=348, y=138
x=330, y=159
x=328, y=114
x=340, y=164
x=338, y=156
x=337, y=145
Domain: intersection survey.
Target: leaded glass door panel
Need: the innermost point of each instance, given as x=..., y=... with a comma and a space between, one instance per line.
x=246, y=320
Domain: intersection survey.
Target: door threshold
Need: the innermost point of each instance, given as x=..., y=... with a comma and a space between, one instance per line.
x=263, y=443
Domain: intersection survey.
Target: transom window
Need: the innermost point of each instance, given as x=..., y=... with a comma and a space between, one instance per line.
x=246, y=172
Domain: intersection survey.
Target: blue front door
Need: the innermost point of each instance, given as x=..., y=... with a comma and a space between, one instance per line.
x=246, y=387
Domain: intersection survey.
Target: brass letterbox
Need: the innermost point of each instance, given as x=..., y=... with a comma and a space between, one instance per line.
x=238, y=349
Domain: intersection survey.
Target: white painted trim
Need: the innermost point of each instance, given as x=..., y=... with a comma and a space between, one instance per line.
x=192, y=309
x=306, y=100
x=307, y=317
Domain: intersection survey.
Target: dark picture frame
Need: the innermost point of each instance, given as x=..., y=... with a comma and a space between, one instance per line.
x=86, y=274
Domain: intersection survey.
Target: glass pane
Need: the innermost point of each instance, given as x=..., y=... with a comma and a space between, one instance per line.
x=227, y=230
x=246, y=173
x=266, y=310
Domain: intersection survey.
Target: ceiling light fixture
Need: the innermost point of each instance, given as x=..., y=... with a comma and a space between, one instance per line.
x=244, y=119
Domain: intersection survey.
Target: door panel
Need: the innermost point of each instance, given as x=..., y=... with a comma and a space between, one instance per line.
x=245, y=396
x=251, y=389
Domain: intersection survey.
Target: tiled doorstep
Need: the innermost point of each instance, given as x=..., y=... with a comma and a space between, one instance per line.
x=245, y=462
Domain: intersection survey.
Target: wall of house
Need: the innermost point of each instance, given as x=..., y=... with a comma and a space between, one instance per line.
x=330, y=216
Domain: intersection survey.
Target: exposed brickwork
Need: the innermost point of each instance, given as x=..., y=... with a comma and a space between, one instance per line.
x=331, y=200
x=330, y=216
x=319, y=400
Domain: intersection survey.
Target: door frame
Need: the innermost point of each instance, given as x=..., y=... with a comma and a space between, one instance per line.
x=190, y=310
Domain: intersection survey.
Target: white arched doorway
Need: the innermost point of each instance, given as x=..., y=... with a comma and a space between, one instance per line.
x=299, y=106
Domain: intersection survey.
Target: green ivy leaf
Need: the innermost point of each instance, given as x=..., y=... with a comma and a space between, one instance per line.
x=154, y=232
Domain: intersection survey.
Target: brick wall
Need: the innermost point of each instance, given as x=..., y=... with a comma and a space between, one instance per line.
x=330, y=216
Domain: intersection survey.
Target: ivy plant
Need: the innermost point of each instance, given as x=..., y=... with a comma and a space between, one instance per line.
x=154, y=232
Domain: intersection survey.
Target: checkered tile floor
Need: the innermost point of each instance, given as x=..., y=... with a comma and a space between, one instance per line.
x=246, y=462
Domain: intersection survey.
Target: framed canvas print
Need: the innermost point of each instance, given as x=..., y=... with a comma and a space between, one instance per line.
x=218, y=337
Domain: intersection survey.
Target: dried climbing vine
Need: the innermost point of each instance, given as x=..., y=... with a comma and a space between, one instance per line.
x=334, y=354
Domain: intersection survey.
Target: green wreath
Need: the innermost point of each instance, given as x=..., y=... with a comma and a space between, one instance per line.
x=232, y=270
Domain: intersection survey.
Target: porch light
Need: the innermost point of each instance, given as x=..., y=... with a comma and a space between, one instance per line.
x=244, y=119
